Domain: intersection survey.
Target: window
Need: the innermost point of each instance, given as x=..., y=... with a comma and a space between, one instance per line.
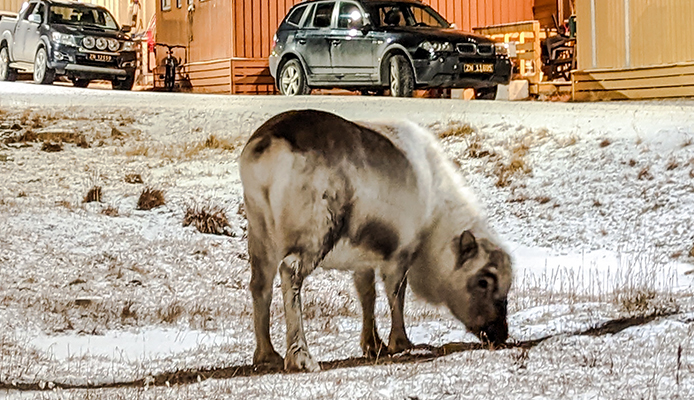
x=165, y=5
x=29, y=9
x=323, y=15
x=350, y=17
x=179, y=3
x=295, y=17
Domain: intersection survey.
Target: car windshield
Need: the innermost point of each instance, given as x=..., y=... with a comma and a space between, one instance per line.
x=76, y=15
x=408, y=14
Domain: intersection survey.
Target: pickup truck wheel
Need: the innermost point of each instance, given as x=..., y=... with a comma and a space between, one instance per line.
x=400, y=77
x=6, y=73
x=42, y=74
x=125, y=84
x=292, y=80
x=80, y=83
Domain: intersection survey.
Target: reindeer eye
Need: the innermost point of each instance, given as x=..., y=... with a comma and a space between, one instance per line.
x=483, y=283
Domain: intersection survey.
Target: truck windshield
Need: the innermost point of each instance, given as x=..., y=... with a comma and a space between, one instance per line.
x=76, y=15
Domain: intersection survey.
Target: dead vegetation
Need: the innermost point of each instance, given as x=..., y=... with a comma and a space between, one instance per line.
x=94, y=194
x=51, y=147
x=505, y=171
x=207, y=219
x=184, y=151
x=110, y=211
x=133, y=178
x=457, y=129
x=150, y=198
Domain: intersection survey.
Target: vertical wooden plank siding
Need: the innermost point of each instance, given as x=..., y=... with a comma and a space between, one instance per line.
x=11, y=5
x=653, y=35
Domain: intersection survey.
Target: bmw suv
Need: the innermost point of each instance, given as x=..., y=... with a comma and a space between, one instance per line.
x=381, y=45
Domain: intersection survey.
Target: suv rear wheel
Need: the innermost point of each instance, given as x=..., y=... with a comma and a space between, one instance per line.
x=292, y=80
x=6, y=73
x=400, y=77
x=42, y=74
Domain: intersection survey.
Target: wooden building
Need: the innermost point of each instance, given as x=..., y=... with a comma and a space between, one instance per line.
x=229, y=41
x=634, y=49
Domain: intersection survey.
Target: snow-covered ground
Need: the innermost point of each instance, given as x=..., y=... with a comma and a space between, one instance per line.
x=595, y=201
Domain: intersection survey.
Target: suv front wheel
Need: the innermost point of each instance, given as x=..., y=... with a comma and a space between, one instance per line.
x=292, y=80
x=400, y=77
x=42, y=74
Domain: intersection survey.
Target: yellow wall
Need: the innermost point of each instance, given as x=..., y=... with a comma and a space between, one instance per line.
x=634, y=33
x=10, y=5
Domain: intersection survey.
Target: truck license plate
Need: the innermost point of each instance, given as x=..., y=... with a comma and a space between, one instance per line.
x=99, y=57
x=478, y=68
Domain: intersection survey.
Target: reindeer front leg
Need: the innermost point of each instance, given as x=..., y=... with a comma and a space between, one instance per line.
x=292, y=277
x=396, y=285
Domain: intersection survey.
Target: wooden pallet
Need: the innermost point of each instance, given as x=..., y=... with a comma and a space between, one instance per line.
x=526, y=36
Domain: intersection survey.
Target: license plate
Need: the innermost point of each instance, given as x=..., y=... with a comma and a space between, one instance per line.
x=478, y=68
x=99, y=57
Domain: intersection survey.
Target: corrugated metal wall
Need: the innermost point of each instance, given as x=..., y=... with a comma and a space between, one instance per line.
x=634, y=33
x=255, y=23
x=468, y=14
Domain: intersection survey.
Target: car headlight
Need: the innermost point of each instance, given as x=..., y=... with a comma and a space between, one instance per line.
x=88, y=42
x=101, y=43
x=501, y=49
x=113, y=45
x=128, y=46
x=436, y=47
x=62, y=38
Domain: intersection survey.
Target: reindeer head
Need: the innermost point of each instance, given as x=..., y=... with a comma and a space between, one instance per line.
x=479, y=286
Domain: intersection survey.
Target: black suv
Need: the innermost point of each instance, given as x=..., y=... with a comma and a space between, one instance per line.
x=379, y=45
x=80, y=41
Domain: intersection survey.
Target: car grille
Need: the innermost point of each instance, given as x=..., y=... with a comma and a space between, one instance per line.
x=470, y=49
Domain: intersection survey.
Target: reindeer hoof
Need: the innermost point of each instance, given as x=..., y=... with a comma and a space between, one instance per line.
x=269, y=358
x=374, y=348
x=398, y=345
x=300, y=360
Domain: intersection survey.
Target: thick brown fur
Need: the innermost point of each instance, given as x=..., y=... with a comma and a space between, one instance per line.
x=323, y=191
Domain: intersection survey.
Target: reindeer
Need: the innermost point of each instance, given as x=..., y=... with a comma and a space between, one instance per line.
x=320, y=190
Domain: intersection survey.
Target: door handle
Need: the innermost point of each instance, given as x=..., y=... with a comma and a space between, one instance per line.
x=336, y=42
x=302, y=41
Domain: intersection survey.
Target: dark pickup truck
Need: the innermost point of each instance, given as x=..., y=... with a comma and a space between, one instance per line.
x=53, y=38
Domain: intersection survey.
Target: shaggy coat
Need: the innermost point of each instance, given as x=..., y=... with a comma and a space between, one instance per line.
x=323, y=191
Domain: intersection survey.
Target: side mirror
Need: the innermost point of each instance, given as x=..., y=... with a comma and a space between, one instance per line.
x=35, y=18
x=366, y=28
x=125, y=28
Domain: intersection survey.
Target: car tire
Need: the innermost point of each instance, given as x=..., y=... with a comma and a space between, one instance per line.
x=42, y=74
x=125, y=84
x=80, y=83
x=6, y=73
x=487, y=93
x=292, y=79
x=400, y=77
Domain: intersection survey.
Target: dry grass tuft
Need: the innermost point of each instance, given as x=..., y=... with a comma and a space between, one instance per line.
x=110, y=211
x=133, y=178
x=632, y=163
x=645, y=174
x=207, y=219
x=516, y=165
x=214, y=142
x=150, y=198
x=457, y=130
x=51, y=147
x=605, y=143
x=29, y=135
x=672, y=164
x=94, y=194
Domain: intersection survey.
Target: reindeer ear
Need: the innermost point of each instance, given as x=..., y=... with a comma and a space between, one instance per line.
x=468, y=247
